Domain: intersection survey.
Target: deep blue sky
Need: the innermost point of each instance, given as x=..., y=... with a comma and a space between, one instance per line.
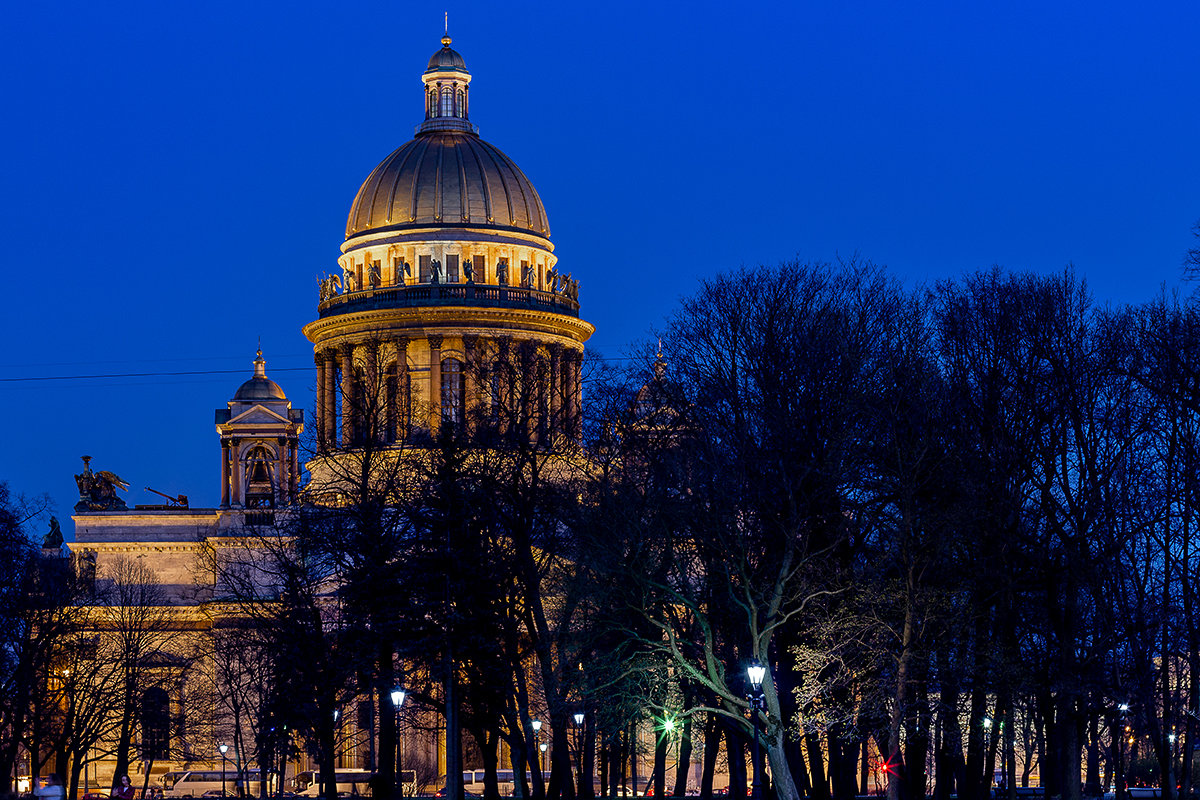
x=176, y=175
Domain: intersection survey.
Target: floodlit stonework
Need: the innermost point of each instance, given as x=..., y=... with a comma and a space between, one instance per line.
x=446, y=268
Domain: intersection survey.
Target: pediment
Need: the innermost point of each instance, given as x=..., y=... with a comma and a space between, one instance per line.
x=258, y=415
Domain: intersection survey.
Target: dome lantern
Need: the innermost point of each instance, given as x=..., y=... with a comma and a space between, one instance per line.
x=447, y=89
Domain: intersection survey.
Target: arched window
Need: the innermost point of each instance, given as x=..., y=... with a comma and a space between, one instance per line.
x=453, y=401
x=156, y=724
x=447, y=105
x=260, y=478
x=460, y=107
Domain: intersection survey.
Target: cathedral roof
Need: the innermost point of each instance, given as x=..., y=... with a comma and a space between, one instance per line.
x=447, y=178
x=447, y=175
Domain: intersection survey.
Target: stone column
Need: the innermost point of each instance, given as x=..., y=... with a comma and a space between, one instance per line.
x=238, y=480
x=371, y=418
x=349, y=412
x=470, y=380
x=399, y=412
x=319, y=360
x=224, y=475
x=505, y=381
x=327, y=428
x=529, y=389
x=574, y=396
x=577, y=396
x=555, y=388
x=435, y=384
x=294, y=471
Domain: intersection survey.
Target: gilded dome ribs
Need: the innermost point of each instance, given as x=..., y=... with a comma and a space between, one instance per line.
x=407, y=154
x=484, y=199
x=463, y=187
x=417, y=184
x=438, y=201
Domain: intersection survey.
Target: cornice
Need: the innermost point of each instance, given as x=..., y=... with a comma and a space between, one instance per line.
x=450, y=320
x=446, y=233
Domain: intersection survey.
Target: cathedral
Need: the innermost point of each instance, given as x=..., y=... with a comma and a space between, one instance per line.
x=446, y=305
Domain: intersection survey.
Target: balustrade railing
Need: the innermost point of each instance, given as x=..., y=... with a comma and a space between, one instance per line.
x=432, y=294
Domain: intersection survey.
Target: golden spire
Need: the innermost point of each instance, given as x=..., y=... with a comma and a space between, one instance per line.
x=446, y=34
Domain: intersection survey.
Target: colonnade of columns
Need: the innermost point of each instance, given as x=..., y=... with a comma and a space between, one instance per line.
x=365, y=391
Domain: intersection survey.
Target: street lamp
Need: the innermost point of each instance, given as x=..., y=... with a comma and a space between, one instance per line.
x=398, y=696
x=756, y=672
x=224, y=748
x=536, y=724
x=1118, y=737
x=579, y=718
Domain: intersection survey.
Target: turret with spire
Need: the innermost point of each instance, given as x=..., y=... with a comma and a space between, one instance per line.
x=447, y=91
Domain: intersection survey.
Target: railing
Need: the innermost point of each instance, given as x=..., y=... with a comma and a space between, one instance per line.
x=448, y=294
x=260, y=518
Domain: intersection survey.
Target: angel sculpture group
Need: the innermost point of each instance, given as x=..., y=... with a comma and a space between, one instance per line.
x=557, y=283
x=330, y=286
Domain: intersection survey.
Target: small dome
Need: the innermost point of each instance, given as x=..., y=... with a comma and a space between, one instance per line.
x=260, y=387
x=447, y=178
x=446, y=59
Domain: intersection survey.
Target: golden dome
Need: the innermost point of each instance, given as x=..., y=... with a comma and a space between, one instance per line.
x=447, y=178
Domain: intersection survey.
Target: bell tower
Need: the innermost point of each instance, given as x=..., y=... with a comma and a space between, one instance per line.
x=260, y=431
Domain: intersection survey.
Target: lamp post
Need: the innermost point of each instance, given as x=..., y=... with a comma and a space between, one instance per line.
x=224, y=748
x=1119, y=736
x=536, y=724
x=398, y=696
x=579, y=718
x=756, y=672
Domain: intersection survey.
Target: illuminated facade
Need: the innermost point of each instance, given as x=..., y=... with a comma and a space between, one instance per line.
x=446, y=272
x=447, y=305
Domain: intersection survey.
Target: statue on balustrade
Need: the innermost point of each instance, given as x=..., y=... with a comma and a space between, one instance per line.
x=468, y=270
x=373, y=279
x=435, y=272
x=98, y=490
x=350, y=281
x=403, y=272
x=502, y=272
x=551, y=281
x=329, y=286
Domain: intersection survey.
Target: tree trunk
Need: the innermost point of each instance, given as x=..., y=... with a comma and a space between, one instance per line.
x=659, y=779
x=685, y=759
x=735, y=757
x=712, y=747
